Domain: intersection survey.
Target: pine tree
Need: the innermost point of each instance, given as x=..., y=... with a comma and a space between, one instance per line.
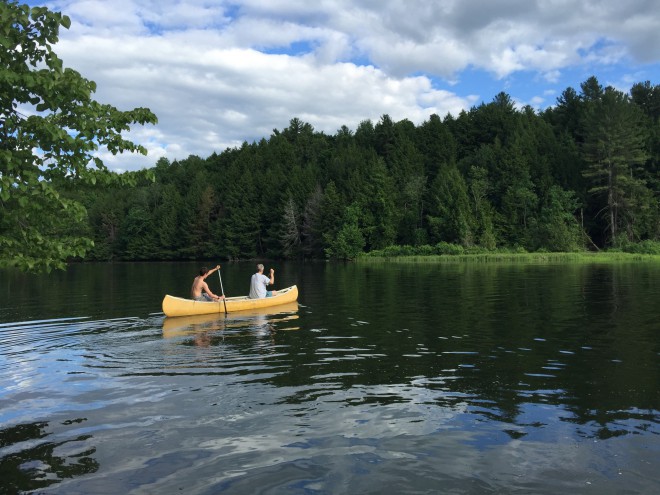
x=614, y=148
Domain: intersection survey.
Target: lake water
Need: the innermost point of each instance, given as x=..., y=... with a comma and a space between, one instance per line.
x=385, y=378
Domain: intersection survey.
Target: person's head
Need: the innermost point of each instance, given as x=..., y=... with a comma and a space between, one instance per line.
x=203, y=271
x=260, y=267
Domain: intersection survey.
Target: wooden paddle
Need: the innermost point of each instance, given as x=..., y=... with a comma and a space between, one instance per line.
x=222, y=290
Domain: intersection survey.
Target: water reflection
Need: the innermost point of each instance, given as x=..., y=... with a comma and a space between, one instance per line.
x=396, y=378
x=182, y=325
x=509, y=341
x=207, y=330
x=30, y=462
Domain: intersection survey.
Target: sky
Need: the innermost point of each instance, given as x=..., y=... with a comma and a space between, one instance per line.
x=220, y=73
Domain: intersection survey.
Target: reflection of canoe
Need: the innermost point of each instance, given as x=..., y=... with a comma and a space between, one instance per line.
x=178, y=306
x=213, y=322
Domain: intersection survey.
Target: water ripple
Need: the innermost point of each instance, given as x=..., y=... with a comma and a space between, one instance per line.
x=495, y=376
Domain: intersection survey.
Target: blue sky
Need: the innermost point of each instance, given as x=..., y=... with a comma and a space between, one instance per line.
x=217, y=73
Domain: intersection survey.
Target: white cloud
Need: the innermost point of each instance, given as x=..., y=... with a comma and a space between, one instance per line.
x=217, y=73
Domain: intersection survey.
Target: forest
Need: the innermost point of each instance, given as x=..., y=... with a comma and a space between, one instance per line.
x=581, y=175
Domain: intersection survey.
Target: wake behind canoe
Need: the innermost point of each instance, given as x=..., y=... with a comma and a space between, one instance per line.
x=179, y=306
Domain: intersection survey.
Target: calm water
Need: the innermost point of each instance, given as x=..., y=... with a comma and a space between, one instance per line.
x=385, y=378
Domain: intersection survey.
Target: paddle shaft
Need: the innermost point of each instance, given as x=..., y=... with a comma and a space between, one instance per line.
x=222, y=290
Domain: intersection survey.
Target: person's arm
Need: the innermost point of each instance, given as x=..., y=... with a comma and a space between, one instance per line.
x=272, y=277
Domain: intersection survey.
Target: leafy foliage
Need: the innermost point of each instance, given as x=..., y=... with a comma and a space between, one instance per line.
x=50, y=129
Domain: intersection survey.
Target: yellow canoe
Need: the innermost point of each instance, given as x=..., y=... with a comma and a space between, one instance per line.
x=179, y=306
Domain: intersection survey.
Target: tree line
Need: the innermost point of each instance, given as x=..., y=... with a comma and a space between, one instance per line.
x=582, y=174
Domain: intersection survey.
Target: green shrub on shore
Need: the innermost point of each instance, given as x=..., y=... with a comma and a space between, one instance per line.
x=439, y=249
x=446, y=252
x=643, y=247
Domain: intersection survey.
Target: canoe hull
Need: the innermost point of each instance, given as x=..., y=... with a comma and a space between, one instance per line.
x=179, y=306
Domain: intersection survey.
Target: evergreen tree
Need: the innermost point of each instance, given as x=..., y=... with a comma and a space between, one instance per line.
x=312, y=235
x=437, y=145
x=479, y=189
x=241, y=222
x=377, y=218
x=411, y=226
x=614, y=148
x=518, y=193
x=557, y=228
x=168, y=218
x=105, y=219
x=348, y=242
x=450, y=218
x=331, y=217
x=567, y=113
x=291, y=234
x=137, y=234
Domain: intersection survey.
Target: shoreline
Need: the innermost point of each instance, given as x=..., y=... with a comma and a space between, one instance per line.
x=528, y=258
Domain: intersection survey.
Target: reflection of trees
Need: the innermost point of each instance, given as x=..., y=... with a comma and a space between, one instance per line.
x=38, y=466
x=504, y=339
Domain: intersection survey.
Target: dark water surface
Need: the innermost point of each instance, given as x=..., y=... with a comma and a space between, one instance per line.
x=386, y=378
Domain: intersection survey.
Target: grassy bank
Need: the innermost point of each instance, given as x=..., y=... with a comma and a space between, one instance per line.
x=503, y=257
